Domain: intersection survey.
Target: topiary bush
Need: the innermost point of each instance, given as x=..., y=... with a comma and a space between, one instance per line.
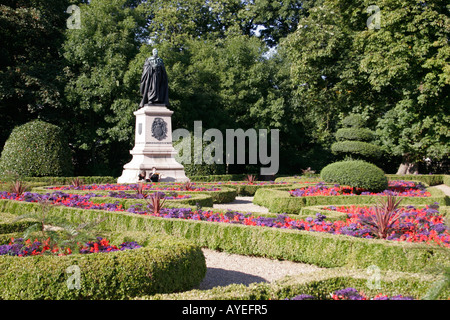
x=36, y=149
x=353, y=141
x=357, y=174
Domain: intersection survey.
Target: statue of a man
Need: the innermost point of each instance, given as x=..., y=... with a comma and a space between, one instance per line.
x=154, y=83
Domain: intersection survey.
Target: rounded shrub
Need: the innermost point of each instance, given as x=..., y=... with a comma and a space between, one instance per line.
x=357, y=174
x=36, y=149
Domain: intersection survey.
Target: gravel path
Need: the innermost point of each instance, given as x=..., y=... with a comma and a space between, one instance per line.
x=444, y=188
x=225, y=268
x=242, y=204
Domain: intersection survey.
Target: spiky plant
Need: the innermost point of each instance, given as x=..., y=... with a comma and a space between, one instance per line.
x=155, y=202
x=77, y=182
x=250, y=178
x=188, y=186
x=140, y=190
x=386, y=213
x=18, y=187
x=57, y=229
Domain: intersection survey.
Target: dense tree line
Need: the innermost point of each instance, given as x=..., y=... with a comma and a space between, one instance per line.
x=297, y=66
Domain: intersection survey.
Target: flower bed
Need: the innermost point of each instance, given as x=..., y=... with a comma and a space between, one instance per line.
x=131, y=187
x=163, y=264
x=416, y=225
x=352, y=294
x=396, y=187
x=22, y=248
x=280, y=200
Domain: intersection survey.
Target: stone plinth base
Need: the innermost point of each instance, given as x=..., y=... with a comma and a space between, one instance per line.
x=153, y=147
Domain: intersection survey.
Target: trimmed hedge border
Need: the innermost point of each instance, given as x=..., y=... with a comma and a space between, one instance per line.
x=224, y=195
x=68, y=180
x=7, y=224
x=280, y=201
x=321, y=249
x=429, y=179
x=319, y=284
x=164, y=265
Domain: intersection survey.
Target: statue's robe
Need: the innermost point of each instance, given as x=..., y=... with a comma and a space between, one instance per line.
x=154, y=83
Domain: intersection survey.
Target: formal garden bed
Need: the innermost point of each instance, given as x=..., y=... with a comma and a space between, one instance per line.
x=132, y=264
x=331, y=235
x=292, y=199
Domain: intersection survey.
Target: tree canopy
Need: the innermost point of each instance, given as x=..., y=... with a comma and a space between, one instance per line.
x=297, y=66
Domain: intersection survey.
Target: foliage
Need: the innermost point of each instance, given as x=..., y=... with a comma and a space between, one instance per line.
x=397, y=76
x=18, y=187
x=381, y=223
x=164, y=264
x=354, y=141
x=31, y=65
x=37, y=148
x=357, y=174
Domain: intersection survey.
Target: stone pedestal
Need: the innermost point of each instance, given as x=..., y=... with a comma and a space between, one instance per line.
x=153, y=146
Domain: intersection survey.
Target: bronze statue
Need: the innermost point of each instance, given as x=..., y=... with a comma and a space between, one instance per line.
x=154, y=83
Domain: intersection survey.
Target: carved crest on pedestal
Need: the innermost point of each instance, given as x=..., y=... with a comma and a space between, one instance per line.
x=159, y=129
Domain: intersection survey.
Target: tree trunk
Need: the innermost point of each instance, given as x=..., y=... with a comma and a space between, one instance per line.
x=408, y=167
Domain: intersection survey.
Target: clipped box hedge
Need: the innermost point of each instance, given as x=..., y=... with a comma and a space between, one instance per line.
x=203, y=200
x=224, y=195
x=280, y=201
x=321, y=249
x=429, y=179
x=318, y=284
x=8, y=225
x=165, y=264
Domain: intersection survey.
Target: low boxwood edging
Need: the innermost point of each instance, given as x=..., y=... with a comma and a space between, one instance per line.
x=321, y=249
x=319, y=284
x=224, y=195
x=164, y=265
x=8, y=225
x=203, y=200
x=280, y=201
x=430, y=179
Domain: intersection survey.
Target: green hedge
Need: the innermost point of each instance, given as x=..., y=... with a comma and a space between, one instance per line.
x=359, y=134
x=318, y=284
x=36, y=149
x=429, y=179
x=8, y=225
x=164, y=265
x=224, y=195
x=321, y=249
x=203, y=200
x=356, y=148
x=355, y=173
x=249, y=189
x=218, y=177
x=68, y=180
x=446, y=180
x=280, y=201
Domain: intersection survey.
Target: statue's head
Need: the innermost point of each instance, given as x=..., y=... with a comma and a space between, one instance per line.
x=155, y=52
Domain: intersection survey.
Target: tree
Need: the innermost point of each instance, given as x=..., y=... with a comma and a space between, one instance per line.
x=31, y=81
x=398, y=75
x=99, y=90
